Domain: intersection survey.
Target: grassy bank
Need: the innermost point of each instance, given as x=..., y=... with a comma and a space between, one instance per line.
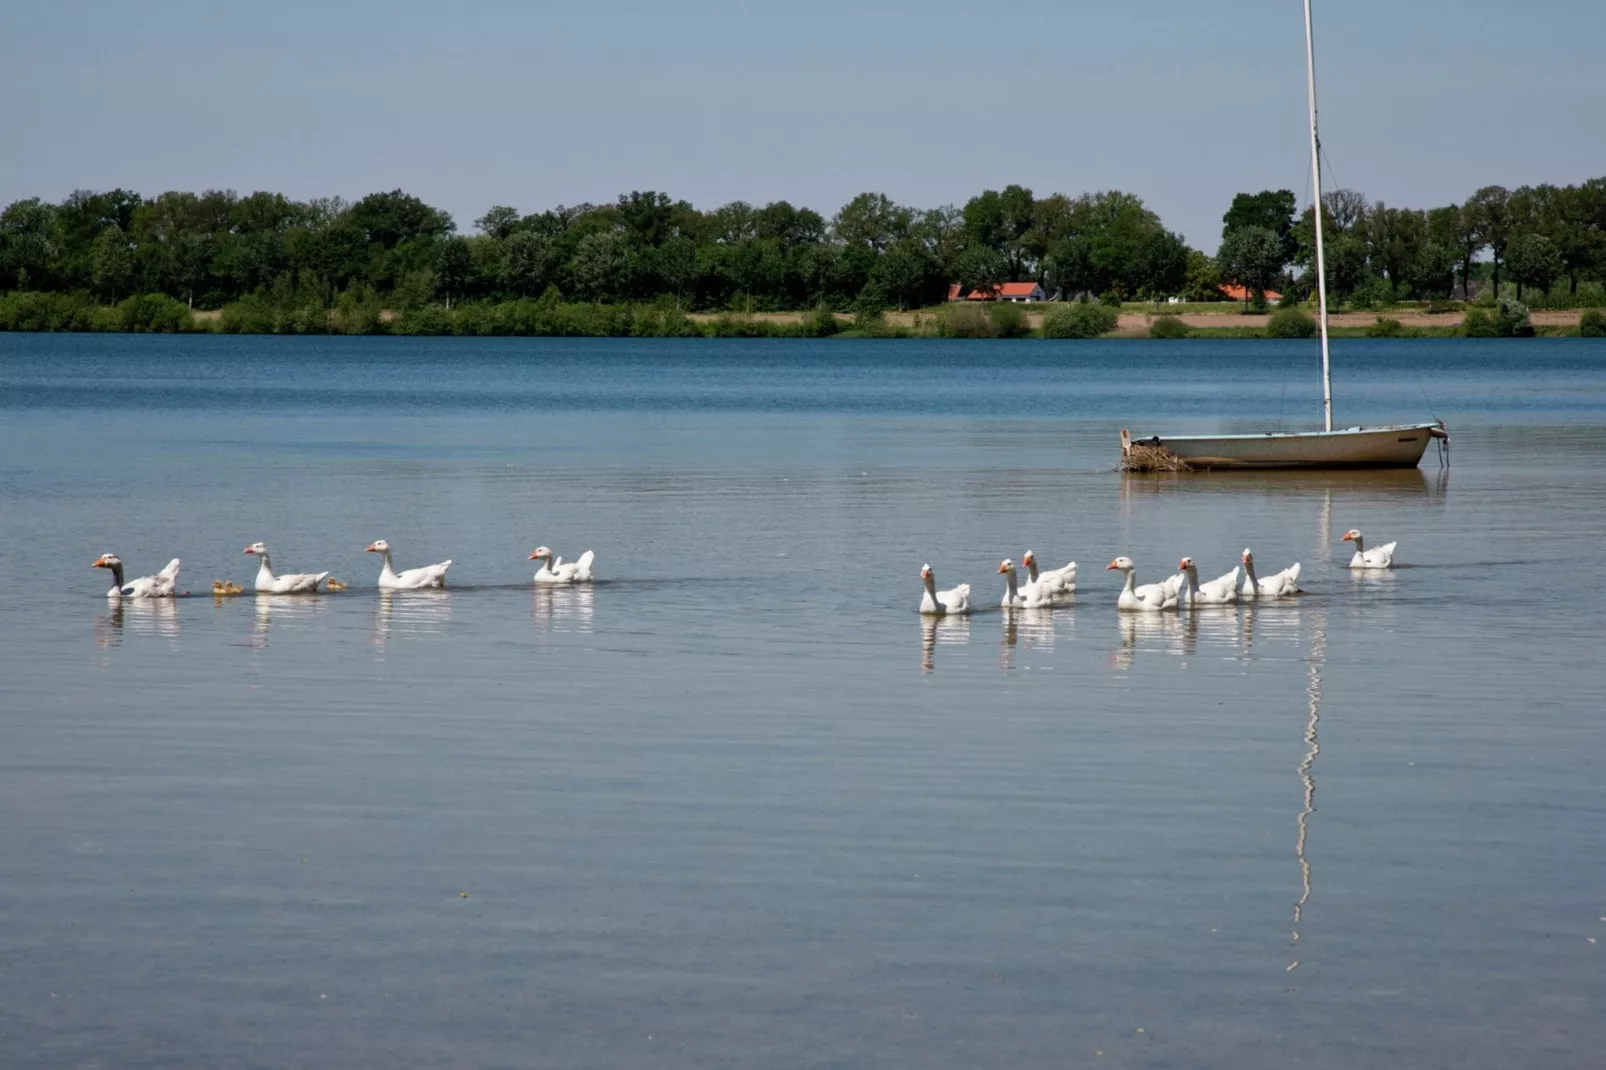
x=550, y=317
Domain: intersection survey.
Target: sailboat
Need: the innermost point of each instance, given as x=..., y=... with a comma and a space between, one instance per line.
x=1391, y=446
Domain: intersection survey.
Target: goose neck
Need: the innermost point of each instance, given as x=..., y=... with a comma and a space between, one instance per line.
x=117, y=576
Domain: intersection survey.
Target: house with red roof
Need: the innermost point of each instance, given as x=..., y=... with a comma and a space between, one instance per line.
x=1234, y=292
x=1019, y=292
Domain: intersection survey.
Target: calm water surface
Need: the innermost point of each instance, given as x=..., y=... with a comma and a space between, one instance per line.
x=737, y=805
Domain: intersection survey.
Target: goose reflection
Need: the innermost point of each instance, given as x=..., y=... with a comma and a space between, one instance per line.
x=953, y=630
x=1271, y=623
x=563, y=609
x=1167, y=633
x=283, y=607
x=142, y=616
x=422, y=612
x=1029, y=629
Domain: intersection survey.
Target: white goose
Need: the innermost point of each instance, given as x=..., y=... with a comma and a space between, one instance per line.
x=1031, y=596
x=290, y=583
x=1376, y=557
x=1059, y=582
x=955, y=600
x=1217, y=592
x=411, y=580
x=1150, y=598
x=1284, y=584
x=555, y=571
x=162, y=585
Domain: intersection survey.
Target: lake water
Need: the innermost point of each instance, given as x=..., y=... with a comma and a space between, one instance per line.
x=738, y=805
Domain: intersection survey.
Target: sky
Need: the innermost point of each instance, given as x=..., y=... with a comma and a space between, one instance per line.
x=534, y=104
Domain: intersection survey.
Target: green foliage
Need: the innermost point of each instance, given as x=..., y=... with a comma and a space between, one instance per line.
x=1441, y=307
x=1110, y=299
x=34, y=311
x=820, y=322
x=1271, y=210
x=290, y=266
x=1250, y=256
x=968, y=320
x=1511, y=320
x=1533, y=262
x=1389, y=328
x=1168, y=327
x=1592, y=324
x=1008, y=320
x=1477, y=323
x=1290, y=323
x=1079, y=321
x=153, y=313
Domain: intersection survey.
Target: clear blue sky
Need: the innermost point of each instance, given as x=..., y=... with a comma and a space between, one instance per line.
x=534, y=104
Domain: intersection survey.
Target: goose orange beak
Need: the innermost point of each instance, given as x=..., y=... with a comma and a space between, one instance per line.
x=532, y=557
x=1349, y=536
x=100, y=562
x=1002, y=568
x=372, y=549
x=249, y=550
x=1111, y=565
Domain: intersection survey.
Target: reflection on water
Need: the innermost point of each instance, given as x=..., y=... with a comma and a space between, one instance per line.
x=563, y=609
x=410, y=613
x=1202, y=628
x=281, y=608
x=1170, y=633
x=144, y=616
x=1031, y=629
x=1313, y=694
x=1270, y=623
x=934, y=630
x=1379, y=483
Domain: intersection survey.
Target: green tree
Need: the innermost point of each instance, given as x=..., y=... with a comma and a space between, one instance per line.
x=30, y=245
x=1202, y=281
x=498, y=222
x=1160, y=264
x=111, y=263
x=1533, y=261
x=1347, y=268
x=1252, y=257
x=1000, y=221
x=873, y=220
x=1432, y=271
x=906, y=273
x=390, y=219
x=529, y=263
x=1395, y=235
x=454, y=269
x=600, y=267
x=1272, y=209
x=1457, y=230
x=1489, y=212
x=1069, y=268
x=981, y=269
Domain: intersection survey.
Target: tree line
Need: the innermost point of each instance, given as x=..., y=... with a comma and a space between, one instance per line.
x=212, y=248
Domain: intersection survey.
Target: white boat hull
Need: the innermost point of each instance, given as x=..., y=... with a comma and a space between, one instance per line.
x=1396, y=446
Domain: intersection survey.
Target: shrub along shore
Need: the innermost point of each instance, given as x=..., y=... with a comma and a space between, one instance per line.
x=550, y=316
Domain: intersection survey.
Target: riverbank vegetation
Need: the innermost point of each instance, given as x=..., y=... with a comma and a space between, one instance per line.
x=649, y=265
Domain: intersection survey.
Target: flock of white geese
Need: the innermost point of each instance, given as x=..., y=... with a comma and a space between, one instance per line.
x=1057, y=587
x=1043, y=589
x=553, y=572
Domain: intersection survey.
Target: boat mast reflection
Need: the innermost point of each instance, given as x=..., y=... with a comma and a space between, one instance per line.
x=1307, y=777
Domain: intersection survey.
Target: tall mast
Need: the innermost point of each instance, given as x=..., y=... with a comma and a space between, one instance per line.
x=1321, y=263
